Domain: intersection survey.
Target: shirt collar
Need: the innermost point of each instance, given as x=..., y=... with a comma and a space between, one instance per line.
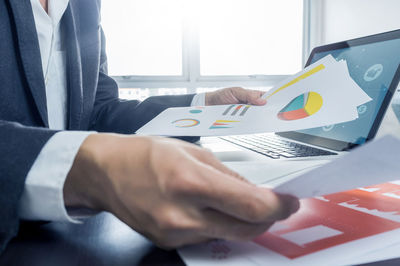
x=56, y=10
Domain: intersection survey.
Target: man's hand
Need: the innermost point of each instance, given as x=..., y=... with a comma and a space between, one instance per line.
x=172, y=192
x=235, y=95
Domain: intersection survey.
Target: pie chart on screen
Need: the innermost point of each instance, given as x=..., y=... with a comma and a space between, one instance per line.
x=301, y=107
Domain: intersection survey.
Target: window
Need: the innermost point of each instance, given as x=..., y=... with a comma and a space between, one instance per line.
x=357, y=18
x=144, y=37
x=195, y=45
x=250, y=37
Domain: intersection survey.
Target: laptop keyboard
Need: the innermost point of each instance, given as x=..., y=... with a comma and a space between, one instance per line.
x=275, y=147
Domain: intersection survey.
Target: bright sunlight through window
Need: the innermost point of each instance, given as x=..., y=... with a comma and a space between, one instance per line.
x=203, y=37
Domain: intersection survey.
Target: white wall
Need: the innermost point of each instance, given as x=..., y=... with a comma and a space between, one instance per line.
x=346, y=19
x=339, y=20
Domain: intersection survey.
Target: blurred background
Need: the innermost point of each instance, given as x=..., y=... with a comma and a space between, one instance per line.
x=160, y=47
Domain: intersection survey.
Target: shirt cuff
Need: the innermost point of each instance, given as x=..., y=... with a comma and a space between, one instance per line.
x=42, y=198
x=199, y=99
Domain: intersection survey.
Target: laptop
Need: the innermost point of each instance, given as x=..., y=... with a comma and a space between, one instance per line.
x=374, y=64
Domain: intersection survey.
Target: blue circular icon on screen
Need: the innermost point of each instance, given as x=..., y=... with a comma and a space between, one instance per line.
x=373, y=72
x=362, y=109
x=328, y=128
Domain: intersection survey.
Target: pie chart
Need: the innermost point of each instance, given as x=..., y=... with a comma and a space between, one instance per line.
x=301, y=107
x=186, y=122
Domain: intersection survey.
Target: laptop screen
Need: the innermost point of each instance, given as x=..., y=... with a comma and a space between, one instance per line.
x=373, y=63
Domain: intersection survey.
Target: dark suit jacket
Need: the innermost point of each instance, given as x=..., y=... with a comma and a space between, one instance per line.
x=92, y=95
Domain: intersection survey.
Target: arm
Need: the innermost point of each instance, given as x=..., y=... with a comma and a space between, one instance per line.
x=42, y=197
x=112, y=114
x=20, y=145
x=172, y=192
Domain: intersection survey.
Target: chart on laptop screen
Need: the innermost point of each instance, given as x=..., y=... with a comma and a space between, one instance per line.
x=372, y=66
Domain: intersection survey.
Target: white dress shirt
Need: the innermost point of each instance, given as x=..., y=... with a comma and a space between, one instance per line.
x=42, y=198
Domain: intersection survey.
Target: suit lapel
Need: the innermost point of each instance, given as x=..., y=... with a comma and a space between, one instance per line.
x=74, y=69
x=30, y=53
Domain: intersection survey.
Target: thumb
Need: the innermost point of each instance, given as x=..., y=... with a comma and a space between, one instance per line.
x=254, y=97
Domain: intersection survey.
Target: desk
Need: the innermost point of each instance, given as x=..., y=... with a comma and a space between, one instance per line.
x=101, y=240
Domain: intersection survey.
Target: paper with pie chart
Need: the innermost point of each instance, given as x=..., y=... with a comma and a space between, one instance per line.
x=302, y=106
x=320, y=95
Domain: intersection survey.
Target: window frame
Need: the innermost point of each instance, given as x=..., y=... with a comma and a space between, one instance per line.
x=191, y=77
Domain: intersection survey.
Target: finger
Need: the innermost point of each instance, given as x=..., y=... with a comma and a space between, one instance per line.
x=221, y=226
x=241, y=200
x=240, y=94
x=254, y=97
x=207, y=157
x=248, y=96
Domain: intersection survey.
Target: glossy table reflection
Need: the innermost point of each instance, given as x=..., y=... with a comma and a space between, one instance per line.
x=101, y=240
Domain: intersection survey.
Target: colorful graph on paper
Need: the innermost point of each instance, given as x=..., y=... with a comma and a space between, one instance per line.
x=197, y=110
x=301, y=107
x=336, y=219
x=186, y=122
x=220, y=124
x=234, y=109
x=298, y=79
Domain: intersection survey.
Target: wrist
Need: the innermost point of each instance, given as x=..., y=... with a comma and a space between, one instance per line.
x=208, y=98
x=93, y=181
x=87, y=179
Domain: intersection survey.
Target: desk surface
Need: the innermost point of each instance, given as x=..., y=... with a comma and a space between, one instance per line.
x=102, y=240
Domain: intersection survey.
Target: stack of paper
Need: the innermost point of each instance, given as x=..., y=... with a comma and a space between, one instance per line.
x=345, y=228
x=322, y=94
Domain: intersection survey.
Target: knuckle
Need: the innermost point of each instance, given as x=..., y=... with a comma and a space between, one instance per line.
x=204, y=152
x=172, y=229
x=181, y=181
x=174, y=221
x=167, y=221
x=208, y=153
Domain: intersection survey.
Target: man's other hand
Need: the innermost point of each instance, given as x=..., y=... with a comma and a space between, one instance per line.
x=173, y=192
x=235, y=95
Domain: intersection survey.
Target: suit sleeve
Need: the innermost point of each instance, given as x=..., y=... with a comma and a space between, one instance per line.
x=112, y=114
x=19, y=146
x=43, y=197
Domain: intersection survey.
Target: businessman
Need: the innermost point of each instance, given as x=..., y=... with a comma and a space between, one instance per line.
x=57, y=105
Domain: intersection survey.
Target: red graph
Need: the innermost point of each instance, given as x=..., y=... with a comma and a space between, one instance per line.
x=338, y=218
